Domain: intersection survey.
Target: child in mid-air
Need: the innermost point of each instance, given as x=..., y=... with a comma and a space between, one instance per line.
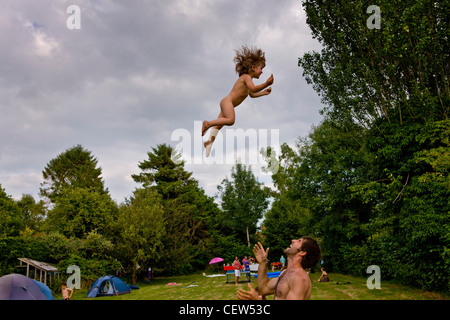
x=249, y=64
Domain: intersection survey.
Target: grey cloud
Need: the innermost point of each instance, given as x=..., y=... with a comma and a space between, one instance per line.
x=134, y=73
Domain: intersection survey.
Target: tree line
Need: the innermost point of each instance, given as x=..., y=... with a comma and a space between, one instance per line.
x=168, y=222
x=373, y=177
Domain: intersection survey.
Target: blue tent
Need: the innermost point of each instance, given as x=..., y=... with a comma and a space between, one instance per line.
x=108, y=286
x=46, y=290
x=20, y=287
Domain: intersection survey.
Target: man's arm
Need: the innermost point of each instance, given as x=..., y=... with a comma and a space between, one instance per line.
x=265, y=286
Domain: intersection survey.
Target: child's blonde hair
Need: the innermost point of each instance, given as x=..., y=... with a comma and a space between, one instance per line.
x=247, y=57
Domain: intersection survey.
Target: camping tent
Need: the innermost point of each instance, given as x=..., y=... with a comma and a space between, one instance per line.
x=46, y=290
x=108, y=286
x=20, y=287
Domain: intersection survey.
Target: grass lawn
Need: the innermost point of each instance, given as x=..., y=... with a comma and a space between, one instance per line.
x=200, y=287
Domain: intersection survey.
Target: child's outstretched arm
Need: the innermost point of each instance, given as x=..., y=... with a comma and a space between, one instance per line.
x=258, y=88
x=261, y=93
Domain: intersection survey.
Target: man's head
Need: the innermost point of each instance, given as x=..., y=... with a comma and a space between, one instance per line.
x=307, y=248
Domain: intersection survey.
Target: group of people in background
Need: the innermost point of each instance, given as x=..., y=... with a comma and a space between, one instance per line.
x=246, y=262
x=237, y=267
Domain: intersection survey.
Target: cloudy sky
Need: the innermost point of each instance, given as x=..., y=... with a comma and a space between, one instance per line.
x=137, y=74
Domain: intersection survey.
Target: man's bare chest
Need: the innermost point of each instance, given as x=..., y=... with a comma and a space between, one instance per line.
x=282, y=286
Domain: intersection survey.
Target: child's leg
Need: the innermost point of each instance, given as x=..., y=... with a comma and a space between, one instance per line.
x=226, y=117
x=212, y=137
x=213, y=134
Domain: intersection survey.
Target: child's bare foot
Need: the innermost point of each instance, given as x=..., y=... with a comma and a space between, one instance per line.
x=204, y=127
x=208, y=145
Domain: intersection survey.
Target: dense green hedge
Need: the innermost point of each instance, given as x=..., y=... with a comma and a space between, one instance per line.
x=93, y=254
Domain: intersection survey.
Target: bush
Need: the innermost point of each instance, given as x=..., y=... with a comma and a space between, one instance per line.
x=94, y=255
x=229, y=248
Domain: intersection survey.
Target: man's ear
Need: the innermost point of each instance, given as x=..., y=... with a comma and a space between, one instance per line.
x=301, y=253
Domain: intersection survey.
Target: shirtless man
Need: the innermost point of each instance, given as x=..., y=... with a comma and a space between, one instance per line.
x=293, y=283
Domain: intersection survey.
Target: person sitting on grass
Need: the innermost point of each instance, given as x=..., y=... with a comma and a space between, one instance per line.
x=323, y=276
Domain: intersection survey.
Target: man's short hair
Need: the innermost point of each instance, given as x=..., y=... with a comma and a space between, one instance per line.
x=312, y=249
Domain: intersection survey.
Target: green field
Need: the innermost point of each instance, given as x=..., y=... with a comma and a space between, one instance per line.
x=200, y=287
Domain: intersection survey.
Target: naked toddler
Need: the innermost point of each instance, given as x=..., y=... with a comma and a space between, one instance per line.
x=249, y=65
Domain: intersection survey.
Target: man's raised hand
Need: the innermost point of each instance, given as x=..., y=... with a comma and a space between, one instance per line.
x=260, y=253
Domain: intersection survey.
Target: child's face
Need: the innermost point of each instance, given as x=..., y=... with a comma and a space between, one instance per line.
x=257, y=71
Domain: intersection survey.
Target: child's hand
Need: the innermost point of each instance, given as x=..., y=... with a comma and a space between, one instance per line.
x=270, y=80
x=268, y=91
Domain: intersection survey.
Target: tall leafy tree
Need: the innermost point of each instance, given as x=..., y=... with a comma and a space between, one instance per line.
x=33, y=213
x=188, y=211
x=11, y=222
x=244, y=201
x=366, y=74
x=161, y=173
x=81, y=203
x=76, y=167
x=392, y=83
x=140, y=228
x=79, y=211
x=289, y=216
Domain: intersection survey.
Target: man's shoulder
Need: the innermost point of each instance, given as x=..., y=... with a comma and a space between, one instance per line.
x=301, y=277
